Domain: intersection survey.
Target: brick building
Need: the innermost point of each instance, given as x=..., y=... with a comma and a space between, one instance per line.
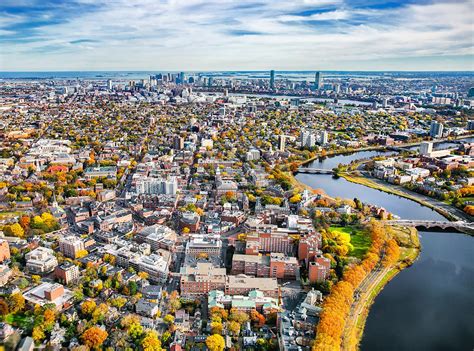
x=4, y=250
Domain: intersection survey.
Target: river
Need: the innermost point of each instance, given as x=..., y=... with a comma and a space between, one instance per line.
x=428, y=306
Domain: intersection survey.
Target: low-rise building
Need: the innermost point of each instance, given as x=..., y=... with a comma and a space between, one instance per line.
x=41, y=260
x=255, y=300
x=200, y=279
x=275, y=265
x=146, y=308
x=198, y=244
x=49, y=293
x=4, y=250
x=66, y=272
x=5, y=273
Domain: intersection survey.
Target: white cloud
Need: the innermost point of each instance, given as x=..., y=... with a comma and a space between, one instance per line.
x=213, y=35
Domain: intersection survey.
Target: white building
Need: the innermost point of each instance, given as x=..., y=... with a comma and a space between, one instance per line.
x=157, y=186
x=71, y=245
x=41, y=260
x=426, y=148
x=204, y=244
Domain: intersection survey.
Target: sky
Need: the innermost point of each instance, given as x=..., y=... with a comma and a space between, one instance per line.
x=196, y=35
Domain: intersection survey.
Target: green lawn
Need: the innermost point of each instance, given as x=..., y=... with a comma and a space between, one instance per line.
x=9, y=214
x=359, y=239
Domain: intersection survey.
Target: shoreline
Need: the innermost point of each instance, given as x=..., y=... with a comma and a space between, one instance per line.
x=389, y=189
x=380, y=148
x=352, y=338
x=408, y=255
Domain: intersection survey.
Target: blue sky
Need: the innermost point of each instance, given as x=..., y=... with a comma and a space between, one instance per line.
x=236, y=35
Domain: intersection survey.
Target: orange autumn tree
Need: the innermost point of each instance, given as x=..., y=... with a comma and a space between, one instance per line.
x=94, y=337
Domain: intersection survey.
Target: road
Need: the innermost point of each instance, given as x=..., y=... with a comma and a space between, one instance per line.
x=360, y=302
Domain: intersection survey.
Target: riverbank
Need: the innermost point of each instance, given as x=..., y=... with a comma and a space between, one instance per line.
x=451, y=214
x=410, y=248
x=349, y=151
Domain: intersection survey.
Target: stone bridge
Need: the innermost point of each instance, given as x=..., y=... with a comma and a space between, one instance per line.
x=462, y=226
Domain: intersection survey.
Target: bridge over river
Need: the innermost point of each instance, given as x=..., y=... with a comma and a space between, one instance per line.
x=461, y=226
x=314, y=170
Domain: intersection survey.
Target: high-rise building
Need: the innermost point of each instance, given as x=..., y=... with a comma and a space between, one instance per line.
x=178, y=143
x=281, y=142
x=323, y=137
x=109, y=84
x=470, y=94
x=181, y=78
x=318, y=80
x=436, y=129
x=272, y=79
x=71, y=246
x=426, y=148
x=209, y=82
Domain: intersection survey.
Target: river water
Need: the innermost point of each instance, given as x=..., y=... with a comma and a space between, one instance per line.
x=428, y=306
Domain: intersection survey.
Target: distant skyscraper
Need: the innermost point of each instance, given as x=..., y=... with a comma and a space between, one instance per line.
x=181, y=78
x=109, y=84
x=281, y=142
x=318, y=80
x=470, y=94
x=323, y=137
x=272, y=79
x=426, y=148
x=209, y=82
x=436, y=129
x=178, y=143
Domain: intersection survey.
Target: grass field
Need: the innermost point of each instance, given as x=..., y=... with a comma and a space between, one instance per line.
x=9, y=214
x=359, y=239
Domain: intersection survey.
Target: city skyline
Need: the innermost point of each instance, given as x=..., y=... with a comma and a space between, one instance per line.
x=204, y=36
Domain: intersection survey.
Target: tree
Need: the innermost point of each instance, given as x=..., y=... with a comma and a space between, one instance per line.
x=151, y=342
x=81, y=253
x=88, y=307
x=36, y=279
x=100, y=312
x=168, y=319
x=257, y=318
x=135, y=331
x=238, y=316
x=215, y=342
x=49, y=318
x=118, y=302
x=234, y=327
x=25, y=222
x=16, y=302
x=14, y=230
x=94, y=337
x=143, y=275
x=38, y=334
x=128, y=320
x=4, y=310
x=216, y=327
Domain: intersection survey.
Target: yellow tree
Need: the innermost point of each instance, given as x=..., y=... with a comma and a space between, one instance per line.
x=215, y=342
x=14, y=230
x=151, y=342
x=88, y=307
